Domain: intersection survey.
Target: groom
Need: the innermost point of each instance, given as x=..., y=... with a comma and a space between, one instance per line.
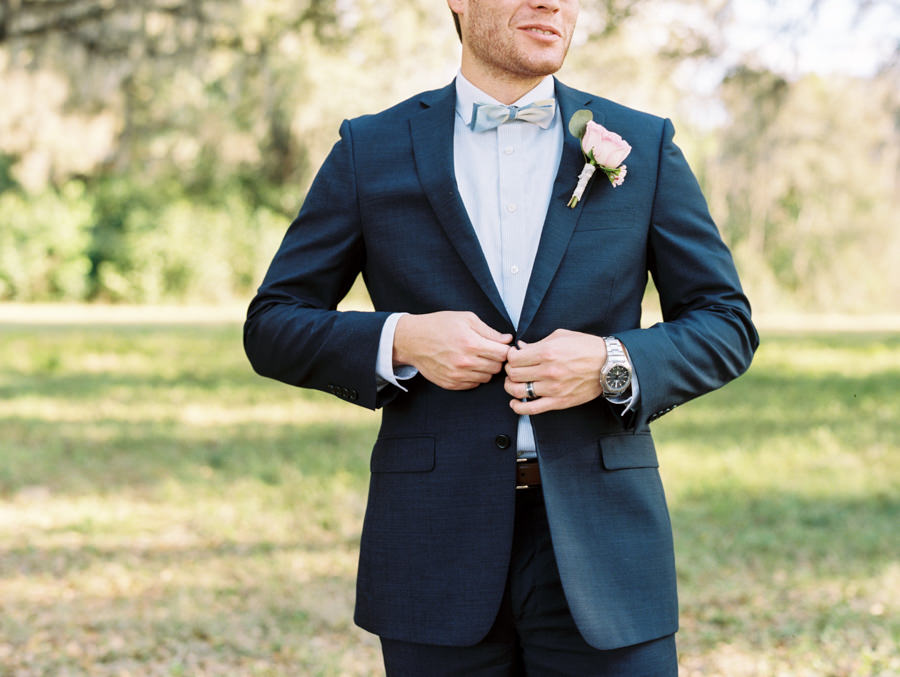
x=516, y=521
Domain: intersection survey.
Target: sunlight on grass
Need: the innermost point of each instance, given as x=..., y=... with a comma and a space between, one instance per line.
x=165, y=511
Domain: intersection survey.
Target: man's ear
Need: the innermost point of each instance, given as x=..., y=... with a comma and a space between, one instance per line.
x=456, y=6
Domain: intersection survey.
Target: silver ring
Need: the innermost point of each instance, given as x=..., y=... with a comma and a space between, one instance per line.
x=529, y=391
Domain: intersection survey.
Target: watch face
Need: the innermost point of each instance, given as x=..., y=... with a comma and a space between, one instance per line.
x=617, y=378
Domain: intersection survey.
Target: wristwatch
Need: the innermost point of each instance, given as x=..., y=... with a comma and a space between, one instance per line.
x=615, y=375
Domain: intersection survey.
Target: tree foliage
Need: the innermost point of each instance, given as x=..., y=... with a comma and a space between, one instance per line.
x=179, y=136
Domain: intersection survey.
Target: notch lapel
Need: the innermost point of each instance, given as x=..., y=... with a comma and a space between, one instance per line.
x=561, y=219
x=432, y=140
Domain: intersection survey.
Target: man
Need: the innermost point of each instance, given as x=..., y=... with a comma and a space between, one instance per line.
x=516, y=521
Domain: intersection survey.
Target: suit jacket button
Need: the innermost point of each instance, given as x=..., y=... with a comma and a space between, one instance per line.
x=502, y=441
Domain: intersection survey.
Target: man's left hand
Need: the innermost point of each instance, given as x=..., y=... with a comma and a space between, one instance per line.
x=563, y=368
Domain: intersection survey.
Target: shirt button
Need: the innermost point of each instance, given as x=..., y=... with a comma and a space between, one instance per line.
x=514, y=269
x=511, y=207
x=509, y=150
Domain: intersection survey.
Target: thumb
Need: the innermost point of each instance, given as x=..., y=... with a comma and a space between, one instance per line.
x=489, y=332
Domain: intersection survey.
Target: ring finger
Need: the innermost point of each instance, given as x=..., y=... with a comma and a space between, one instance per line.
x=520, y=390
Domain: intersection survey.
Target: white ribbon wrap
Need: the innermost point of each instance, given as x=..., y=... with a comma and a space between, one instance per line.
x=583, y=179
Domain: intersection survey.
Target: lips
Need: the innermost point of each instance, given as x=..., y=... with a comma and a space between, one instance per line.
x=541, y=29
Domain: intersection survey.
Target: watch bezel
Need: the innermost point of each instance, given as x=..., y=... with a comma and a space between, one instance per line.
x=616, y=369
x=617, y=378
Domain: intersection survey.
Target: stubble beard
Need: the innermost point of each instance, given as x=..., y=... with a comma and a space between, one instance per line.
x=507, y=61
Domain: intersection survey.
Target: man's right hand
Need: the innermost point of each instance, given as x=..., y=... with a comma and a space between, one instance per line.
x=453, y=349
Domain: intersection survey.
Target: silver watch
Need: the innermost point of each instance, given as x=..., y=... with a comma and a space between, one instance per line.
x=615, y=375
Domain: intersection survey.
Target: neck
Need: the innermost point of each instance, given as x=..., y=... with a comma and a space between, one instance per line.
x=506, y=88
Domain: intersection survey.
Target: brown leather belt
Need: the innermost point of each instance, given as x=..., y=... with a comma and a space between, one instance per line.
x=528, y=474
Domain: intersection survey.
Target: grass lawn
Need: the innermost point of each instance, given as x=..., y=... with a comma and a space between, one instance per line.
x=164, y=511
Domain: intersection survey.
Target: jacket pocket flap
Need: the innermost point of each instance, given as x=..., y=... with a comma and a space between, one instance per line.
x=403, y=454
x=628, y=451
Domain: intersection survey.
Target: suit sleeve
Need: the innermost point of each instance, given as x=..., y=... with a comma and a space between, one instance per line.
x=706, y=337
x=293, y=332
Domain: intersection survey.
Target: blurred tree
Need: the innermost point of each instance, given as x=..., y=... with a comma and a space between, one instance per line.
x=184, y=97
x=43, y=243
x=808, y=179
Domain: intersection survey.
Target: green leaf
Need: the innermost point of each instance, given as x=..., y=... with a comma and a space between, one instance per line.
x=578, y=122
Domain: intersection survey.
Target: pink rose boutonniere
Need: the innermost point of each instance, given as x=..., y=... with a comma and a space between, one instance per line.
x=601, y=148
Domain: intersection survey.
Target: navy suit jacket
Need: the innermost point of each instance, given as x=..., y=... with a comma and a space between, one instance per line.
x=438, y=527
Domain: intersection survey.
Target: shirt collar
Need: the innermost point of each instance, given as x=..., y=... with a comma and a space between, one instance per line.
x=468, y=94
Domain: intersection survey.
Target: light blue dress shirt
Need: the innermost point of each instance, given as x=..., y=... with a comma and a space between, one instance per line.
x=505, y=177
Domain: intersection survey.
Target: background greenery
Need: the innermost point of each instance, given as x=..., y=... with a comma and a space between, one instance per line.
x=155, y=151
x=164, y=511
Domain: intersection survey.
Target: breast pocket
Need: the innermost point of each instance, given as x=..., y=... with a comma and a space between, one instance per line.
x=608, y=215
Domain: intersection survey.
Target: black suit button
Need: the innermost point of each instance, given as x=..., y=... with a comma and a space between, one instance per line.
x=352, y=395
x=502, y=441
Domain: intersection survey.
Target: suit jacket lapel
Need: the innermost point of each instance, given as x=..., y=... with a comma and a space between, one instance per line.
x=432, y=139
x=560, y=220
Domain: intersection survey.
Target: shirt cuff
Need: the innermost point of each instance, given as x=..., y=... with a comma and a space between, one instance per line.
x=385, y=372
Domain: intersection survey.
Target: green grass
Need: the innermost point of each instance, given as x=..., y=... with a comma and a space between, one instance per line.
x=164, y=511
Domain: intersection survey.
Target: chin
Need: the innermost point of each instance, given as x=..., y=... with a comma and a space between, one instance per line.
x=544, y=61
x=543, y=67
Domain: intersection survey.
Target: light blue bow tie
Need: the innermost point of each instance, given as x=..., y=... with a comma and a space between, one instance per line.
x=490, y=115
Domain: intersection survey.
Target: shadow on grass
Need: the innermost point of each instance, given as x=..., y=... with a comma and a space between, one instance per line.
x=111, y=455
x=780, y=530
x=762, y=406
x=92, y=385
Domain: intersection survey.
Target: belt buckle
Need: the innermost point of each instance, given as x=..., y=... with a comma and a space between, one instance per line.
x=520, y=471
